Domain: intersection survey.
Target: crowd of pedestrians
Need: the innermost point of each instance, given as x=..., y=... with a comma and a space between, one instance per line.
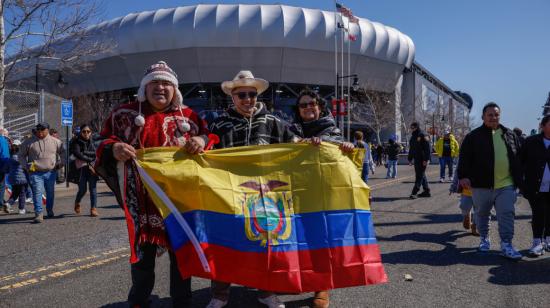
x=493, y=164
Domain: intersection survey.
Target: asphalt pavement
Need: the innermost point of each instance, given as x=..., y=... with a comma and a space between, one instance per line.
x=80, y=261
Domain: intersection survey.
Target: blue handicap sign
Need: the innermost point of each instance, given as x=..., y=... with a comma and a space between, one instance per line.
x=67, y=113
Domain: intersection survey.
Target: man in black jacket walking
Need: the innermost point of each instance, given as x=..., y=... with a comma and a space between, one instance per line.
x=419, y=151
x=490, y=166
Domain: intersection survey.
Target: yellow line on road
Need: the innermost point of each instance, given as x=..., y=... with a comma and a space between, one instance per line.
x=60, y=265
x=62, y=273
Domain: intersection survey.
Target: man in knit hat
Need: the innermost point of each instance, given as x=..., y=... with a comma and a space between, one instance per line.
x=159, y=118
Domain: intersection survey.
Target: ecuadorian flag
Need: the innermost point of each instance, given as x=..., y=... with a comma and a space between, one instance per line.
x=284, y=218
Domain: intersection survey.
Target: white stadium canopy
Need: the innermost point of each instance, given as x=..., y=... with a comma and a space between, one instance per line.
x=211, y=43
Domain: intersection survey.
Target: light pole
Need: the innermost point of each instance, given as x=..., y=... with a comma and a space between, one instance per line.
x=355, y=87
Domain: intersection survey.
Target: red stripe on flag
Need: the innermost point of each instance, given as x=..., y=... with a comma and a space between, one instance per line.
x=291, y=272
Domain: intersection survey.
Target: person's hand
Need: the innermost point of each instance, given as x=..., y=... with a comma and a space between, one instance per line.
x=465, y=183
x=194, y=145
x=425, y=163
x=347, y=147
x=123, y=151
x=315, y=140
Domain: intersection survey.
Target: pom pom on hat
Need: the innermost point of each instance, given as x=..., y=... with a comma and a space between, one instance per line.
x=160, y=71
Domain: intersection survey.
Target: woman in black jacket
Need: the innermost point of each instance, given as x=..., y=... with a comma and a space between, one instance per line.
x=82, y=147
x=312, y=120
x=535, y=160
x=315, y=122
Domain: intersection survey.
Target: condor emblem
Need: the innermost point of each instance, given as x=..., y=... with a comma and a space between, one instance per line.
x=267, y=214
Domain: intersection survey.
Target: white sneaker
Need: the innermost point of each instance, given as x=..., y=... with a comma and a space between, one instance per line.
x=216, y=303
x=537, y=249
x=22, y=212
x=28, y=200
x=508, y=251
x=484, y=244
x=272, y=301
x=442, y=180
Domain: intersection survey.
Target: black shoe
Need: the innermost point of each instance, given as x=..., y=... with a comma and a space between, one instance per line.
x=50, y=213
x=425, y=194
x=413, y=196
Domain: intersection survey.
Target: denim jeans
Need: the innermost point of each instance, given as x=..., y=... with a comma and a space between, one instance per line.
x=2, y=186
x=365, y=172
x=43, y=182
x=445, y=162
x=503, y=199
x=392, y=168
x=87, y=177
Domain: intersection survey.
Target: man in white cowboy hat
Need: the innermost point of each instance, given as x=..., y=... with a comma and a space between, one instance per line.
x=159, y=118
x=247, y=122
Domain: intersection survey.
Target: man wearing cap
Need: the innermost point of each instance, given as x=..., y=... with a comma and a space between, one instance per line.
x=38, y=155
x=446, y=148
x=247, y=122
x=159, y=118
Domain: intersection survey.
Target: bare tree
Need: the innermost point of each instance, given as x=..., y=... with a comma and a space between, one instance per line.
x=373, y=109
x=52, y=32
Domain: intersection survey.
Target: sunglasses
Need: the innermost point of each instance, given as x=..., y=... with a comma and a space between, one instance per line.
x=245, y=95
x=307, y=105
x=86, y=131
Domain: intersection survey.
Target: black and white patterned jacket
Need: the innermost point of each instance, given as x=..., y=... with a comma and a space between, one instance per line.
x=262, y=128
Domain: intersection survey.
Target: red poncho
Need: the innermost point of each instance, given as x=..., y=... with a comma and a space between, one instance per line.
x=161, y=129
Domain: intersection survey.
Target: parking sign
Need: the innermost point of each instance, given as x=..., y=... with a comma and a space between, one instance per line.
x=67, y=113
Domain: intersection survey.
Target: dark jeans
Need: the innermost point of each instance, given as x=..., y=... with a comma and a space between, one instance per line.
x=143, y=280
x=445, y=161
x=87, y=177
x=18, y=191
x=540, y=205
x=420, y=178
x=2, y=186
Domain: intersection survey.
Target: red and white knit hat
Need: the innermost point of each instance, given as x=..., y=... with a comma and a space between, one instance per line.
x=160, y=71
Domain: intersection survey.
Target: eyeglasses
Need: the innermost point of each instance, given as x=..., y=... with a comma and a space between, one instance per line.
x=86, y=131
x=245, y=95
x=307, y=105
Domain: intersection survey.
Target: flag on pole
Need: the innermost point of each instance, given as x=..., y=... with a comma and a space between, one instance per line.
x=343, y=10
x=282, y=217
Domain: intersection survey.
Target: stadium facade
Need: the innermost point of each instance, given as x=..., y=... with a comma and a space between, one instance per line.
x=291, y=47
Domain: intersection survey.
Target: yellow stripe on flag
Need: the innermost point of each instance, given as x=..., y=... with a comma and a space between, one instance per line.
x=217, y=180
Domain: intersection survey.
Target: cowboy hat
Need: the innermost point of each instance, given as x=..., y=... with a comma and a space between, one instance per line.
x=245, y=79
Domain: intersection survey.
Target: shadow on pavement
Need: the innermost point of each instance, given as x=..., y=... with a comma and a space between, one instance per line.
x=449, y=255
x=521, y=273
x=388, y=199
x=239, y=297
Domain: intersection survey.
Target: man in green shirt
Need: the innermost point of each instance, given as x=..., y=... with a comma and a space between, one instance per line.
x=489, y=164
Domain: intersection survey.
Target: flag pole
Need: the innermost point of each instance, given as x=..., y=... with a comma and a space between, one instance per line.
x=335, y=51
x=349, y=82
x=343, y=72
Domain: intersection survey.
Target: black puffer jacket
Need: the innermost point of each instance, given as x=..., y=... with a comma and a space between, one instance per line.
x=262, y=128
x=419, y=147
x=534, y=157
x=324, y=128
x=477, y=157
x=83, y=149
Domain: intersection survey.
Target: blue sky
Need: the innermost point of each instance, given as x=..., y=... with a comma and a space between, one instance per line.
x=495, y=50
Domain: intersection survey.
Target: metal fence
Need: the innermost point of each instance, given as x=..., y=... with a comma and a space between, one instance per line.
x=24, y=109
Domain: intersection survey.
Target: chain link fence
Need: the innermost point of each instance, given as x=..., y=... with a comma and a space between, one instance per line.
x=24, y=109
